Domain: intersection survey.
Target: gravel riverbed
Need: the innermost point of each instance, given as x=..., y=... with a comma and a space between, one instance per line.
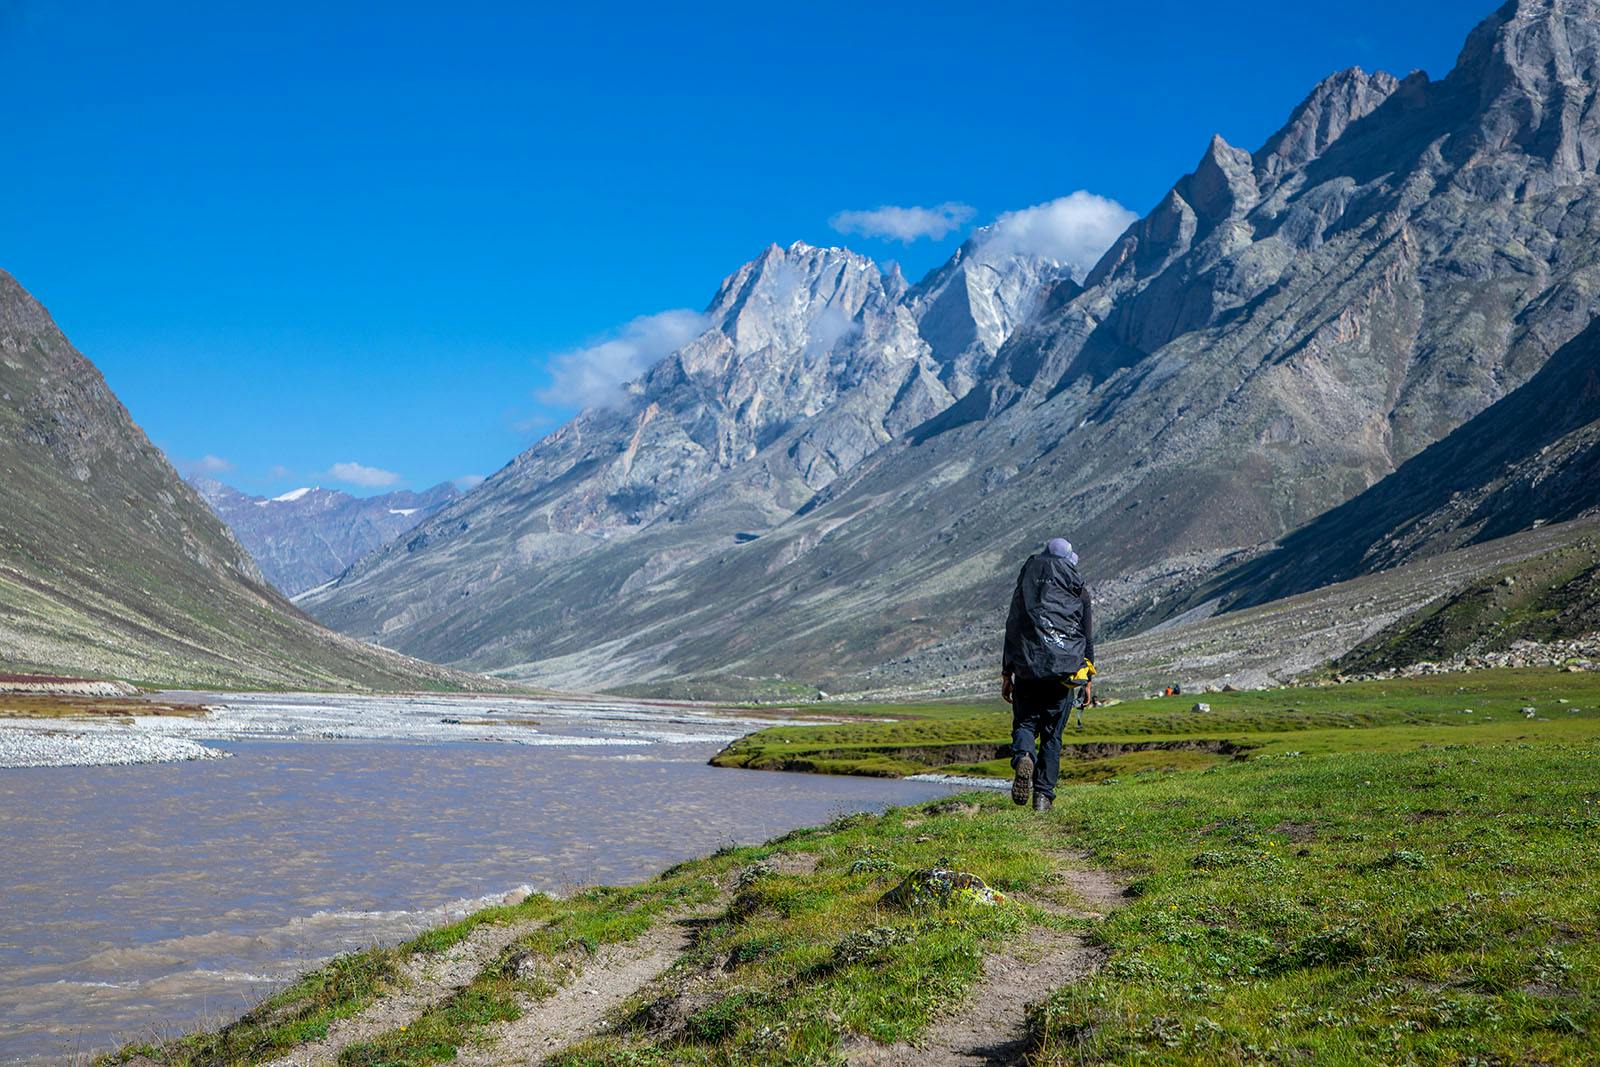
x=561, y=722
x=29, y=746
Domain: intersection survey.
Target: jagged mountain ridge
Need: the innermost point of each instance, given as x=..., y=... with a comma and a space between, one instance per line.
x=1282, y=332
x=812, y=360
x=112, y=566
x=308, y=536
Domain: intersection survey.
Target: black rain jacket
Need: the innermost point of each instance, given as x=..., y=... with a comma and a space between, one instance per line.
x=1050, y=630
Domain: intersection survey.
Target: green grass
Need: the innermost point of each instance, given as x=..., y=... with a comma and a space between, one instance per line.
x=304, y=1011
x=1382, y=880
x=797, y=960
x=299, y=1014
x=1429, y=906
x=1387, y=716
x=533, y=966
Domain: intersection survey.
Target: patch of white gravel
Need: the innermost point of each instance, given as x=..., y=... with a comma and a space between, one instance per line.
x=961, y=779
x=29, y=747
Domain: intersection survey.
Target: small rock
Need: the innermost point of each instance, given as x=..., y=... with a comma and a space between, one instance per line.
x=821, y=695
x=517, y=896
x=1201, y=707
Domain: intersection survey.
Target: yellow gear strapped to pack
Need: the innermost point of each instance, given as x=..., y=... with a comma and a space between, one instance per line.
x=1084, y=673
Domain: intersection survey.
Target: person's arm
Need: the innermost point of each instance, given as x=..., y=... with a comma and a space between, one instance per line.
x=1088, y=626
x=1013, y=637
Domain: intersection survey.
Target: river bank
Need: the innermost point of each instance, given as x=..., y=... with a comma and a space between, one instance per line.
x=144, y=899
x=1222, y=916
x=1339, y=868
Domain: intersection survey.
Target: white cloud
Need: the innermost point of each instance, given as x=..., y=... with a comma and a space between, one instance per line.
x=828, y=328
x=279, y=472
x=468, y=482
x=354, y=473
x=904, y=224
x=206, y=464
x=594, y=376
x=1075, y=230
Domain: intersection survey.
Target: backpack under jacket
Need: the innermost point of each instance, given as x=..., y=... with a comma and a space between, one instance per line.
x=1050, y=629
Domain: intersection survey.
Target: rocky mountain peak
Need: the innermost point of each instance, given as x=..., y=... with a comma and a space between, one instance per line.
x=894, y=282
x=1338, y=100
x=1282, y=331
x=968, y=307
x=1529, y=72
x=1222, y=185
x=307, y=536
x=774, y=299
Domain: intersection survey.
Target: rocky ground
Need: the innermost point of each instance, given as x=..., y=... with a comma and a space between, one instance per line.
x=1577, y=654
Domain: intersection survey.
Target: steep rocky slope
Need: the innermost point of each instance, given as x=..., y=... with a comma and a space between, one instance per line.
x=308, y=536
x=1282, y=332
x=111, y=566
x=1529, y=459
x=1553, y=596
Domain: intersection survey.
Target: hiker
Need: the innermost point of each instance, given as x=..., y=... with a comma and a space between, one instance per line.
x=1048, y=660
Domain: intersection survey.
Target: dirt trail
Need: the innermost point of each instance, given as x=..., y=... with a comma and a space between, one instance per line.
x=578, y=1010
x=991, y=1026
x=425, y=980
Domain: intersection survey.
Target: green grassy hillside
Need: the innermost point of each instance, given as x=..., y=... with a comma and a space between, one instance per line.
x=1553, y=595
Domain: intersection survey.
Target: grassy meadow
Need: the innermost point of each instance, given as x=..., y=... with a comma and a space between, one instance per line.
x=1165, y=734
x=1368, y=875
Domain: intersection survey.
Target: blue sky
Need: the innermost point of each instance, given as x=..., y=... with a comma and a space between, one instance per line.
x=312, y=235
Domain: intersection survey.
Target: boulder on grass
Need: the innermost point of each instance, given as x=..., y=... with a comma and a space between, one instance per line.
x=939, y=887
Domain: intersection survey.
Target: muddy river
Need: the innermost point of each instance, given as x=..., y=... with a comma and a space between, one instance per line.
x=141, y=899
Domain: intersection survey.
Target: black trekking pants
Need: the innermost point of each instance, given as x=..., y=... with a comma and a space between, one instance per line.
x=1039, y=711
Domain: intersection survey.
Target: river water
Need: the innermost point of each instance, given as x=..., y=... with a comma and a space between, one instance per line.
x=141, y=900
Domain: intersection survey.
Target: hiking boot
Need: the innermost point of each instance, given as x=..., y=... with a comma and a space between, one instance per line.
x=1043, y=803
x=1022, y=784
